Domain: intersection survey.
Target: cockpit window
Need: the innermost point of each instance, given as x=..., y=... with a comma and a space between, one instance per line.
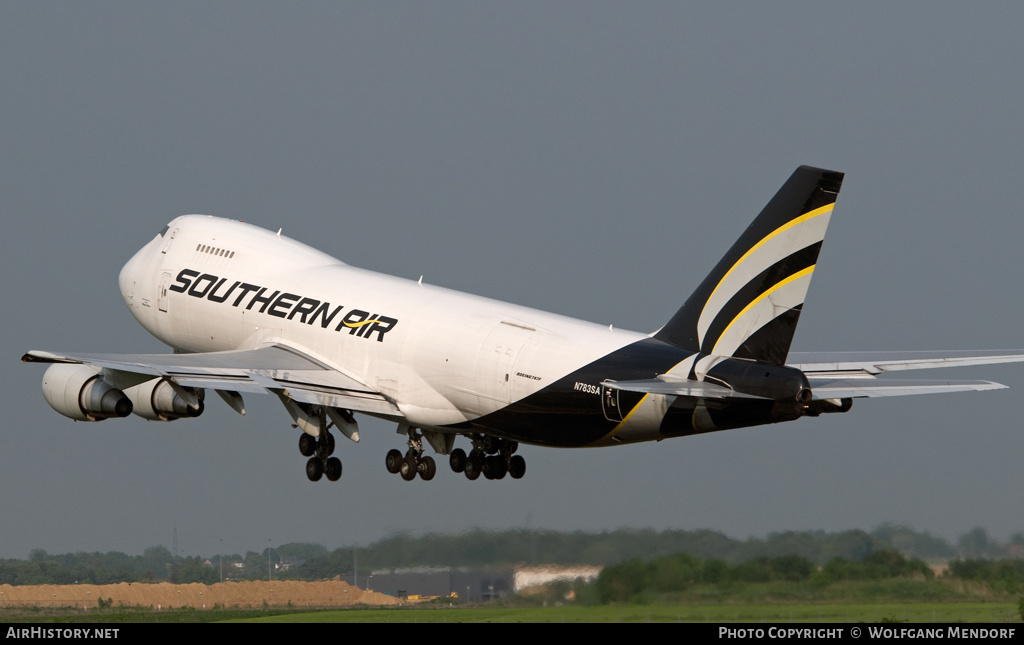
x=164, y=230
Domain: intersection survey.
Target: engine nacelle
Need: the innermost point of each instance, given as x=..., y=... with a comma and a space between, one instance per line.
x=79, y=392
x=779, y=383
x=156, y=400
x=786, y=386
x=827, y=406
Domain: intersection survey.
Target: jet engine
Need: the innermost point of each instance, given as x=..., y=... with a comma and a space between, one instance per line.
x=825, y=406
x=780, y=383
x=79, y=392
x=786, y=386
x=156, y=400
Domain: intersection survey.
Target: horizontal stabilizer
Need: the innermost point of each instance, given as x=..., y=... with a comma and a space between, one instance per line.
x=665, y=384
x=870, y=363
x=861, y=387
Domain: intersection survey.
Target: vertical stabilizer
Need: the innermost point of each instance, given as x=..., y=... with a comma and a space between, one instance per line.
x=748, y=306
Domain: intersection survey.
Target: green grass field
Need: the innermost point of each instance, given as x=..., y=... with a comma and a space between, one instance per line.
x=994, y=612
x=853, y=613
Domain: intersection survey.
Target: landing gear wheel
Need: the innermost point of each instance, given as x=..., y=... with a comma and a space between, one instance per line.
x=333, y=469
x=315, y=469
x=494, y=467
x=457, y=460
x=307, y=444
x=517, y=467
x=409, y=468
x=427, y=468
x=500, y=467
x=393, y=461
x=472, y=468
x=489, y=444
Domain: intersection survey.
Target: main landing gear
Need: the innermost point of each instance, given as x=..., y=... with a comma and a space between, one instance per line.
x=412, y=462
x=319, y=451
x=316, y=440
x=491, y=457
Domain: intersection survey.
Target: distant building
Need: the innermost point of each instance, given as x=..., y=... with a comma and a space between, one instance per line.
x=287, y=564
x=526, y=577
x=474, y=585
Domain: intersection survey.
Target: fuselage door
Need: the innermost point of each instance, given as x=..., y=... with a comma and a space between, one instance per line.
x=496, y=362
x=168, y=239
x=161, y=294
x=610, y=404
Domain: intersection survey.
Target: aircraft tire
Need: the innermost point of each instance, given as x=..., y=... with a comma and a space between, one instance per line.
x=472, y=469
x=333, y=469
x=314, y=469
x=517, y=467
x=307, y=444
x=428, y=469
x=494, y=467
x=393, y=461
x=490, y=444
x=457, y=460
x=408, y=468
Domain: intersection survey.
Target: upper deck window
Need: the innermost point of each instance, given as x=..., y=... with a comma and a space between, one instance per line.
x=213, y=250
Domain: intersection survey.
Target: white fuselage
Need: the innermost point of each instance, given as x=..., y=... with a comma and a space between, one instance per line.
x=258, y=312
x=210, y=284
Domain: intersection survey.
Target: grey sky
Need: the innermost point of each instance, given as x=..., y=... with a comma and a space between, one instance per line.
x=592, y=159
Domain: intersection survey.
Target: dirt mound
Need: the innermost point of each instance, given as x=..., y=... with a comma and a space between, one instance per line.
x=330, y=593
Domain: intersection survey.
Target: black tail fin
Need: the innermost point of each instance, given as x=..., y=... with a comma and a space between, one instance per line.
x=748, y=306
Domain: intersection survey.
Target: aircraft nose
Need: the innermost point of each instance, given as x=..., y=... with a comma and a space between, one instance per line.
x=128, y=278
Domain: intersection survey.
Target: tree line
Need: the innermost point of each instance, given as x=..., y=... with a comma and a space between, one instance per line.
x=637, y=579
x=836, y=554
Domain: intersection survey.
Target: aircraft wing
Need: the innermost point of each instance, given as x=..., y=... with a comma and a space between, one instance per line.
x=274, y=369
x=839, y=375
